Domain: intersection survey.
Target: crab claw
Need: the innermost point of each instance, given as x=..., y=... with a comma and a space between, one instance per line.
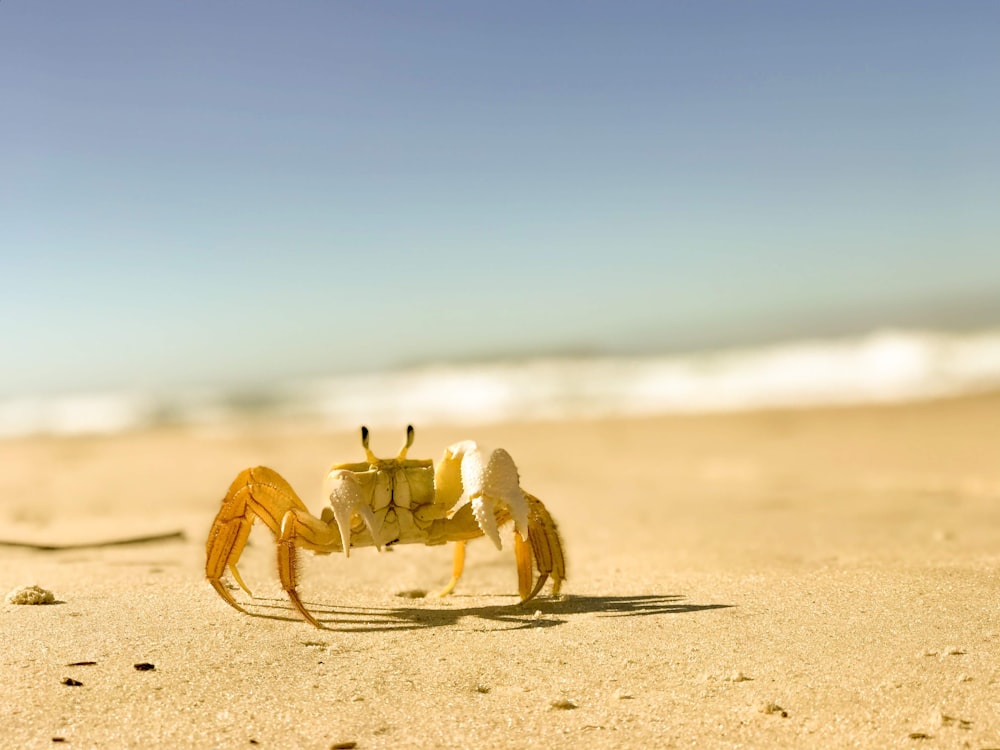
x=346, y=499
x=492, y=484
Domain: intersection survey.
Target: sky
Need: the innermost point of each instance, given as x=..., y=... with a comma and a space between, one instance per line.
x=237, y=192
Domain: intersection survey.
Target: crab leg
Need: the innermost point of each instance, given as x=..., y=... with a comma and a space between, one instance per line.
x=522, y=555
x=542, y=550
x=490, y=480
x=457, y=566
x=545, y=546
x=299, y=528
x=255, y=493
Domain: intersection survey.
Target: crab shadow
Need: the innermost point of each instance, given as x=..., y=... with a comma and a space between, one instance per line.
x=538, y=613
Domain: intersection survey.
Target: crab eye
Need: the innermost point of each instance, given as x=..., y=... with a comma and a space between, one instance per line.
x=364, y=436
x=407, y=444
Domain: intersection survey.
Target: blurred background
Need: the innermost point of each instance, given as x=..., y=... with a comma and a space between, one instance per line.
x=448, y=211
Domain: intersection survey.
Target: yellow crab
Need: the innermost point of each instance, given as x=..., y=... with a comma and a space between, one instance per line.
x=380, y=502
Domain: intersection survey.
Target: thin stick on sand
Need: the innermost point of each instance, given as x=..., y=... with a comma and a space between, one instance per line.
x=167, y=536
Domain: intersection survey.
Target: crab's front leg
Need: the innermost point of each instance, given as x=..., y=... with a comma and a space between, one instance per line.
x=491, y=482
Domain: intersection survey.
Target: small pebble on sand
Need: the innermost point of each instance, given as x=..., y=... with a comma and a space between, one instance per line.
x=563, y=704
x=30, y=595
x=773, y=708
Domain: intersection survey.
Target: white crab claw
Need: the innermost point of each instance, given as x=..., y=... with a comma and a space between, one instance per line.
x=346, y=499
x=491, y=481
x=484, y=511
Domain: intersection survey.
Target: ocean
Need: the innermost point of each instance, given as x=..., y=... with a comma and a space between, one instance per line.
x=880, y=367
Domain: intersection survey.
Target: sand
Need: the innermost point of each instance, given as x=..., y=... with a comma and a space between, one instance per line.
x=797, y=579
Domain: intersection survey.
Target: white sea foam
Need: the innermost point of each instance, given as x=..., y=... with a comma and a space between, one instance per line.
x=882, y=367
x=96, y=413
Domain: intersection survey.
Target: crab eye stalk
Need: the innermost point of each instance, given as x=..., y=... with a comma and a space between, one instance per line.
x=364, y=443
x=407, y=444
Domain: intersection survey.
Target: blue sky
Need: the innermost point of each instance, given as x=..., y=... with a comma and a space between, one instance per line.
x=233, y=192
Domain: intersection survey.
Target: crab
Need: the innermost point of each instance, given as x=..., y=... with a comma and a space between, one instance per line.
x=380, y=502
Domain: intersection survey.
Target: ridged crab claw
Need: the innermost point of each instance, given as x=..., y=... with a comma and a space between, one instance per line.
x=346, y=499
x=492, y=481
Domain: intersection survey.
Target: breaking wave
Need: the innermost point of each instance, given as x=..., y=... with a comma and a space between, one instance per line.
x=882, y=367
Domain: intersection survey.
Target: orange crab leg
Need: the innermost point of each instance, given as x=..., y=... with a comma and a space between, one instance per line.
x=301, y=529
x=543, y=549
x=457, y=566
x=223, y=543
x=545, y=546
x=255, y=493
x=522, y=554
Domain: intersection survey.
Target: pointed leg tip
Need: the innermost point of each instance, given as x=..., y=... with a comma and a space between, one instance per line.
x=221, y=590
x=538, y=587
x=239, y=580
x=293, y=595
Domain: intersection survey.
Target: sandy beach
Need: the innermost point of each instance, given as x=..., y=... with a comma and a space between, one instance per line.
x=793, y=579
